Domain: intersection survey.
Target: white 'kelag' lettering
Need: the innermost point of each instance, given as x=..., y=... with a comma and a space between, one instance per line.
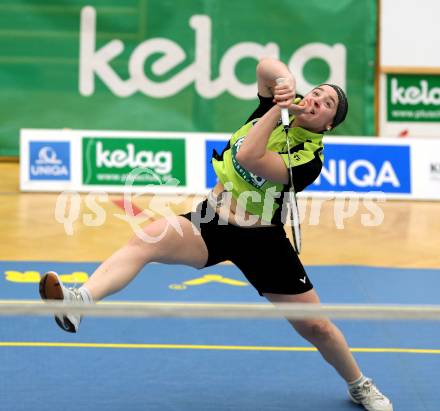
x=97, y=63
x=414, y=95
x=161, y=161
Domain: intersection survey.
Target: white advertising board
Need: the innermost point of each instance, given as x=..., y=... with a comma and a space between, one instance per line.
x=177, y=163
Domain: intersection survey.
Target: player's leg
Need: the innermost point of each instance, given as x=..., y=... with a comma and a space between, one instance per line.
x=173, y=240
x=323, y=334
x=331, y=343
x=161, y=242
x=275, y=270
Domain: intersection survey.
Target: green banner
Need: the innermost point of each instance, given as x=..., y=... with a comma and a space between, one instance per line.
x=413, y=97
x=174, y=66
x=110, y=161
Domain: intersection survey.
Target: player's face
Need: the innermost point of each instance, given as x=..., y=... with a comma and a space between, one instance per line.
x=321, y=104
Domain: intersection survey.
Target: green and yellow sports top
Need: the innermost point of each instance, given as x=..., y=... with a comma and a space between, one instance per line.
x=262, y=197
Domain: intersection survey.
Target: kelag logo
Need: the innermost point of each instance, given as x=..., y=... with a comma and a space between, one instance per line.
x=413, y=97
x=364, y=168
x=110, y=160
x=49, y=160
x=211, y=178
x=98, y=62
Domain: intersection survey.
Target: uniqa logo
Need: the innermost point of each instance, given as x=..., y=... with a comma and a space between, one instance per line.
x=97, y=62
x=47, y=155
x=48, y=164
x=160, y=162
x=414, y=95
x=338, y=173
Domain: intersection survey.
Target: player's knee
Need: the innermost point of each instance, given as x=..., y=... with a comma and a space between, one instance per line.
x=149, y=236
x=147, y=241
x=315, y=329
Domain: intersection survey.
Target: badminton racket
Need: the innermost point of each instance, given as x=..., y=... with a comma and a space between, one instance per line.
x=291, y=194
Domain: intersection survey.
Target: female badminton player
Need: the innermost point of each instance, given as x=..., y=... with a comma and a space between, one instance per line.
x=241, y=220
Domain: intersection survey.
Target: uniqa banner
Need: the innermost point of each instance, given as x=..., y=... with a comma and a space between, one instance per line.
x=183, y=66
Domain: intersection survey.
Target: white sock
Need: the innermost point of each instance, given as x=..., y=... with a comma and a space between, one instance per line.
x=357, y=382
x=85, y=295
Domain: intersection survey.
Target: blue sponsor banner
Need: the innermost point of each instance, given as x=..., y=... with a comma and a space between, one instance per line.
x=365, y=168
x=211, y=178
x=49, y=160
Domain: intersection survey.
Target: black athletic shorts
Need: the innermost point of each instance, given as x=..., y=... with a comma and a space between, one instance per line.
x=263, y=254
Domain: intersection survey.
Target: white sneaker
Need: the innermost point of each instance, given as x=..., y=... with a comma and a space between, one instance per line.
x=52, y=288
x=368, y=395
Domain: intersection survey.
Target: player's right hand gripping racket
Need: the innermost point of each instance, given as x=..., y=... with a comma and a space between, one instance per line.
x=293, y=205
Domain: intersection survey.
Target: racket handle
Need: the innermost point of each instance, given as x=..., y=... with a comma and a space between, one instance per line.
x=284, y=111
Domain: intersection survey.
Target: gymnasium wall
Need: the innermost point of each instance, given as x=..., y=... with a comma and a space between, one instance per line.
x=409, y=69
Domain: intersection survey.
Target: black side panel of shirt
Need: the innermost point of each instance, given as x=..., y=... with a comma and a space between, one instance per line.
x=303, y=175
x=265, y=105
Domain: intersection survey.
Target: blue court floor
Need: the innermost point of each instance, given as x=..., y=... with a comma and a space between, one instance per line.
x=213, y=365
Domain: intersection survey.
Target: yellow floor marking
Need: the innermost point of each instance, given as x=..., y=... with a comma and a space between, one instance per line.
x=210, y=347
